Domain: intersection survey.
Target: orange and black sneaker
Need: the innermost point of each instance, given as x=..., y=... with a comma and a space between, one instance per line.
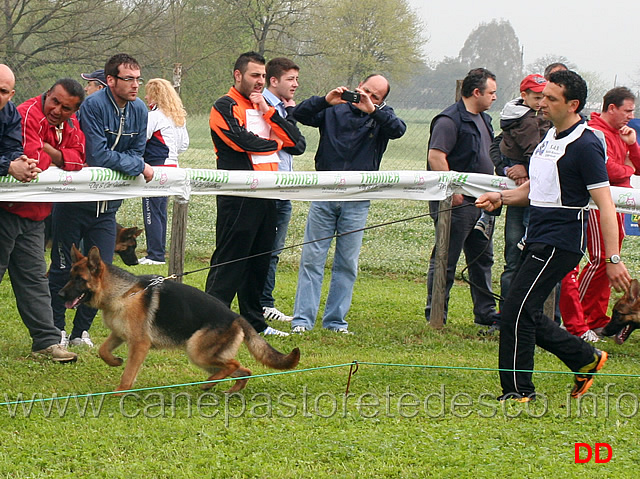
x=515, y=397
x=584, y=377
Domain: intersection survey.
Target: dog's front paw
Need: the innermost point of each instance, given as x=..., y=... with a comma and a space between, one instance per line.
x=113, y=360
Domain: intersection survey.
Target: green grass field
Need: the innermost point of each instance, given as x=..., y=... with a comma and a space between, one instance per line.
x=421, y=403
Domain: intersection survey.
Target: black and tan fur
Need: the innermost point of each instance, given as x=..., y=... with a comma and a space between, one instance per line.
x=169, y=315
x=625, y=317
x=126, y=244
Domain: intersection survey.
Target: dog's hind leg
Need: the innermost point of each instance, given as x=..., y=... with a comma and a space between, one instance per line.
x=220, y=371
x=106, y=350
x=214, y=351
x=137, y=353
x=240, y=383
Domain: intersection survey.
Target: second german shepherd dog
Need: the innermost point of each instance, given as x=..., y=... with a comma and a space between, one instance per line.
x=625, y=317
x=146, y=315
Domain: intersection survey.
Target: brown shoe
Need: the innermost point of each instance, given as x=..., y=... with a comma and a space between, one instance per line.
x=56, y=353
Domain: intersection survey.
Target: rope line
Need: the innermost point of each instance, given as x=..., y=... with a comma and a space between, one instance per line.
x=354, y=365
x=337, y=235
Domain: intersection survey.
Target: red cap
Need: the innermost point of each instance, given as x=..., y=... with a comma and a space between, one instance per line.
x=535, y=83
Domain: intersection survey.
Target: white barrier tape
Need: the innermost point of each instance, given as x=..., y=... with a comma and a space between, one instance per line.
x=97, y=184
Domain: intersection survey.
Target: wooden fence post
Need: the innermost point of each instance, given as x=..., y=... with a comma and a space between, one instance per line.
x=443, y=232
x=180, y=208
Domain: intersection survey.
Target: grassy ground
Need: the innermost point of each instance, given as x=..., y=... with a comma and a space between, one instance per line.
x=436, y=420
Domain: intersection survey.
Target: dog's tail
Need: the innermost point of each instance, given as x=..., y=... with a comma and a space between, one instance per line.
x=264, y=352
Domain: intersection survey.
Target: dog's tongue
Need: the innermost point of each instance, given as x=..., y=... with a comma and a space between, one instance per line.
x=73, y=304
x=622, y=336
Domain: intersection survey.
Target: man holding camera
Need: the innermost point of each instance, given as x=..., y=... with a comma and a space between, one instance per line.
x=355, y=128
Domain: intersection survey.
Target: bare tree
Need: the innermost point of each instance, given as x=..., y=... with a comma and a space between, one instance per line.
x=275, y=26
x=38, y=37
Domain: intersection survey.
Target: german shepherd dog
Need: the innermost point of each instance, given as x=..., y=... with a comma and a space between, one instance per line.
x=126, y=244
x=166, y=315
x=625, y=316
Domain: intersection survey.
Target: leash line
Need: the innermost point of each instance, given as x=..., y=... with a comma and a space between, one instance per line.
x=354, y=367
x=337, y=235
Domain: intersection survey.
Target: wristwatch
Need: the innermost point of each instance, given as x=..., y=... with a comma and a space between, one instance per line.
x=615, y=259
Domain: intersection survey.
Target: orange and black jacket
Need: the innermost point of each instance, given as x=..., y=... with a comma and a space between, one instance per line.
x=234, y=143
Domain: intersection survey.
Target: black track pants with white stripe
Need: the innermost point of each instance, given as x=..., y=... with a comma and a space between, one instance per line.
x=523, y=326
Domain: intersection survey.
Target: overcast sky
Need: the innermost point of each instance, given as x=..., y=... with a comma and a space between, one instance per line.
x=596, y=35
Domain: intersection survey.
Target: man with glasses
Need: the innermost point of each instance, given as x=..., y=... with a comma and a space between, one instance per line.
x=114, y=121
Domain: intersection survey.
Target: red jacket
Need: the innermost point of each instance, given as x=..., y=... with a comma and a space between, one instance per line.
x=36, y=130
x=617, y=150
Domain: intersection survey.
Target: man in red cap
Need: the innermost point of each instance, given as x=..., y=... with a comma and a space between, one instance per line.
x=522, y=129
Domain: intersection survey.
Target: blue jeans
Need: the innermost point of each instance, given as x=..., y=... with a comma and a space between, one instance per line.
x=283, y=210
x=327, y=218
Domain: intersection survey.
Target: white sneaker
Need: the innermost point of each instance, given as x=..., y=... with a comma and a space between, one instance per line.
x=275, y=314
x=590, y=336
x=342, y=331
x=83, y=340
x=299, y=330
x=64, y=341
x=274, y=332
x=149, y=261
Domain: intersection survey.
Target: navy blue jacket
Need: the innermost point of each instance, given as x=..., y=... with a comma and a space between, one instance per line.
x=464, y=156
x=10, y=137
x=114, y=140
x=350, y=140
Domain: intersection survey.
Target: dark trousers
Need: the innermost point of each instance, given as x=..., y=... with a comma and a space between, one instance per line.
x=478, y=251
x=69, y=225
x=244, y=227
x=523, y=326
x=154, y=213
x=22, y=253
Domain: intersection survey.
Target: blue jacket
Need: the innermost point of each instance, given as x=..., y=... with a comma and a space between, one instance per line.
x=350, y=140
x=114, y=140
x=10, y=137
x=464, y=156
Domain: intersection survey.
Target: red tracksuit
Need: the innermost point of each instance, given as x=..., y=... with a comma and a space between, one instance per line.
x=584, y=303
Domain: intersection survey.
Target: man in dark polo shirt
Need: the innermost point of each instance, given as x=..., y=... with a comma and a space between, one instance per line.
x=460, y=140
x=566, y=169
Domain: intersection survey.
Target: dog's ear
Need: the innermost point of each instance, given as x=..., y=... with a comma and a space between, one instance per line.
x=634, y=291
x=76, y=255
x=137, y=232
x=94, y=262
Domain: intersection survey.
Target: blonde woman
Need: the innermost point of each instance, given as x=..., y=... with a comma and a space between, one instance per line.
x=166, y=138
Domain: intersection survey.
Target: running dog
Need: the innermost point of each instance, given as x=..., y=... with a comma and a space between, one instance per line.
x=147, y=313
x=625, y=316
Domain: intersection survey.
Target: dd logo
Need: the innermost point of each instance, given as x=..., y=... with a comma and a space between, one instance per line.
x=597, y=447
